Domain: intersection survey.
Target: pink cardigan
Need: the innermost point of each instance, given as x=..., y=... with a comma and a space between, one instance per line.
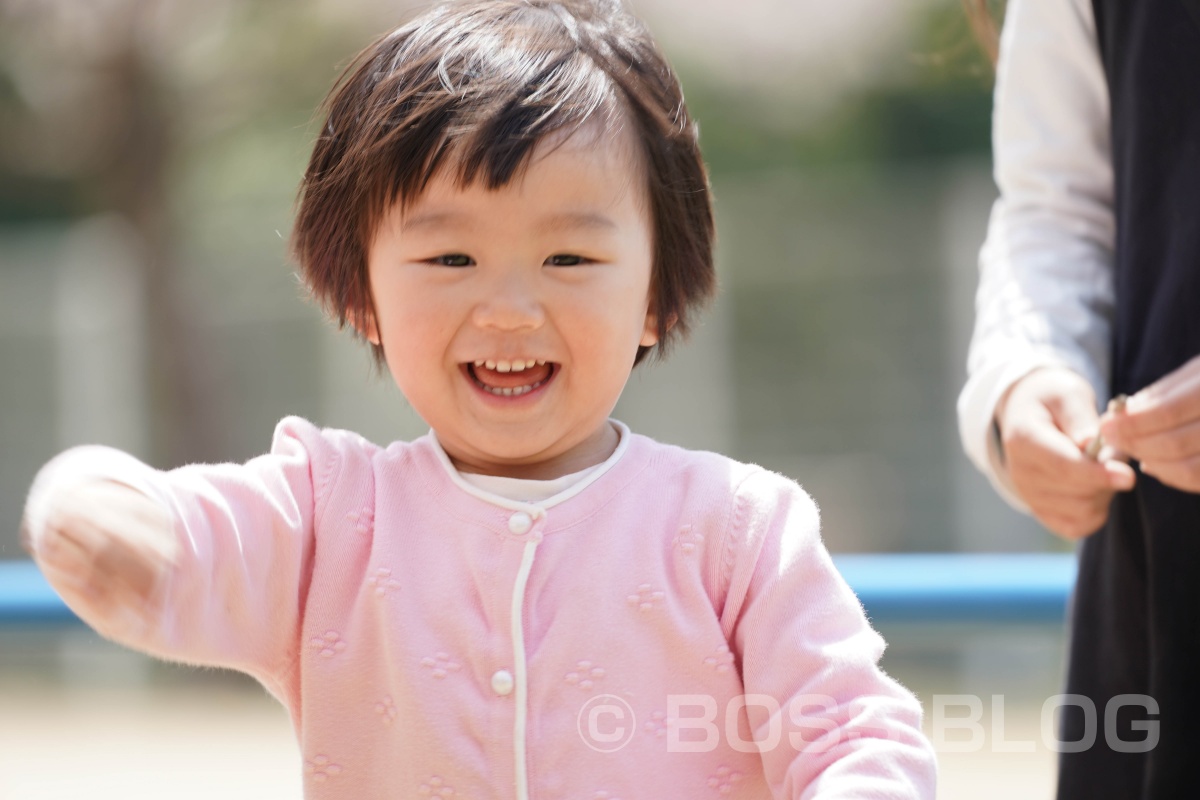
x=672, y=628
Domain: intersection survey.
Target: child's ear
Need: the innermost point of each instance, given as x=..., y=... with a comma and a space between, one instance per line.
x=650, y=330
x=364, y=323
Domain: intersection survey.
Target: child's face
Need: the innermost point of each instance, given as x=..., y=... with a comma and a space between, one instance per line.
x=551, y=271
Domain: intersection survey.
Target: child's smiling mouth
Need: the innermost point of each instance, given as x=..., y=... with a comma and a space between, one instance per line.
x=504, y=378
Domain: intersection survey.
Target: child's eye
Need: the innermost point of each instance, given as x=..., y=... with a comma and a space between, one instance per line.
x=565, y=260
x=452, y=260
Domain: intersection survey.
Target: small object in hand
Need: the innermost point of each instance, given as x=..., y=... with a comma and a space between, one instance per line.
x=1096, y=443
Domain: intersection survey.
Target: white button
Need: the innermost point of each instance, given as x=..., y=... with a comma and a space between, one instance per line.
x=502, y=682
x=520, y=523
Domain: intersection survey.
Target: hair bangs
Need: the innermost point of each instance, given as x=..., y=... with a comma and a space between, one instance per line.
x=484, y=109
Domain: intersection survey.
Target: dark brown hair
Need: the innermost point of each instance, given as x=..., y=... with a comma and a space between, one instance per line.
x=473, y=87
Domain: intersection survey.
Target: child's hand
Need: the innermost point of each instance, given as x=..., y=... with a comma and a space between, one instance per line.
x=1046, y=419
x=107, y=546
x=1160, y=427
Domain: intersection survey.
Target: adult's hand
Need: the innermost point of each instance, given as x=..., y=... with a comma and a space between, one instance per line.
x=1160, y=427
x=1046, y=419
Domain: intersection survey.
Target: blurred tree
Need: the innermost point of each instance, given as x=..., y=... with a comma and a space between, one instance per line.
x=102, y=105
x=99, y=119
x=935, y=104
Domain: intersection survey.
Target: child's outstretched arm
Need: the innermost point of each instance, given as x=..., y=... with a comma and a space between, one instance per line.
x=206, y=564
x=828, y=721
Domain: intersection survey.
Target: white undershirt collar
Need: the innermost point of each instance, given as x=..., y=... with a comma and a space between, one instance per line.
x=520, y=493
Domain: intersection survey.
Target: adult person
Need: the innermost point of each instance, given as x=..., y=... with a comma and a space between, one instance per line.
x=1090, y=288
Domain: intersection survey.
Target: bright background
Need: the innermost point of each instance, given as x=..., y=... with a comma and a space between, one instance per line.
x=149, y=155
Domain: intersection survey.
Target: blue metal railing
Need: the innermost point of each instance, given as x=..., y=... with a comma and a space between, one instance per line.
x=961, y=587
x=917, y=587
x=26, y=598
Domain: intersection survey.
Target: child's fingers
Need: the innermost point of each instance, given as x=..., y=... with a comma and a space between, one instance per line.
x=108, y=543
x=114, y=589
x=67, y=557
x=61, y=553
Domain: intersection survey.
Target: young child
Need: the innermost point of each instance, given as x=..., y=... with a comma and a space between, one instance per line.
x=508, y=202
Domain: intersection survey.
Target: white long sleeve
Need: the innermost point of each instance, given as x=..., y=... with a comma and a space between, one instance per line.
x=1045, y=293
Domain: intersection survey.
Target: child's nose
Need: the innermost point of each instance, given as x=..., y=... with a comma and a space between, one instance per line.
x=510, y=304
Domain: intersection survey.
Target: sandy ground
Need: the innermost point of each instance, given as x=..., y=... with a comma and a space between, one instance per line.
x=143, y=744
x=82, y=720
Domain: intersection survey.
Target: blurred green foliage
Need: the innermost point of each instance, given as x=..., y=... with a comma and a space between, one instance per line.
x=935, y=104
x=271, y=67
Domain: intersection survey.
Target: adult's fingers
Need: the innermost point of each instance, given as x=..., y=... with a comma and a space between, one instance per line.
x=1074, y=413
x=1177, y=444
x=1070, y=515
x=1165, y=405
x=1183, y=474
x=1072, y=526
x=1045, y=456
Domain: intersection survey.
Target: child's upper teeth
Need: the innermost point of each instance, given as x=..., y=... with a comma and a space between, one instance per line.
x=503, y=365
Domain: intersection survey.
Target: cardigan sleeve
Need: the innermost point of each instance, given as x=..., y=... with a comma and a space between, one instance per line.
x=236, y=594
x=828, y=722
x=1046, y=293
